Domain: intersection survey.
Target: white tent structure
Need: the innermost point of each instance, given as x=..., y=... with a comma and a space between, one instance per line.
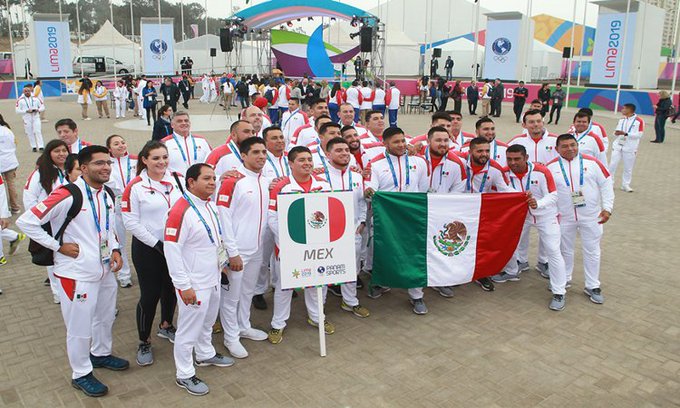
x=108, y=42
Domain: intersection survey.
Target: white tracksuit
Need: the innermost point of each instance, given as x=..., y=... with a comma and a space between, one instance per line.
x=191, y=250
x=284, y=94
x=590, y=177
x=625, y=147
x=32, y=195
x=123, y=170
x=290, y=122
x=87, y=286
x=408, y=174
x=496, y=151
x=242, y=204
x=348, y=180
x=590, y=143
x=183, y=152
x=32, y=124
x=540, y=151
x=282, y=298
x=78, y=145
x=304, y=135
x=596, y=129
x=449, y=174
x=489, y=179
x=224, y=158
x=354, y=97
x=120, y=95
x=140, y=99
x=540, y=182
x=4, y=213
x=321, y=160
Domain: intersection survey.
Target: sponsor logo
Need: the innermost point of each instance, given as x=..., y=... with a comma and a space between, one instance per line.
x=501, y=47
x=452, y=239
x=159, y=48
x=317, y=220
x=321, y=270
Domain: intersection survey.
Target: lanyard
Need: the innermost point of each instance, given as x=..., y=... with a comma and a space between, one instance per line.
x=632, y=123
x=234, y=149
x=126, y=179
x=205, y=224
x=285, y=162
x=323, y=163
x=80, y=146
x=290, y=117
x=564, y=173
x=471, y=175
x=394, y=175
x=428, y=157
x=95, y=213
x=529, y=169
x=184, y=157
x=351, y=188
x=61, y=176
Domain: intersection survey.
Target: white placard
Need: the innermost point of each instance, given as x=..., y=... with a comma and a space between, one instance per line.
x=158, y=47
x=53, y=49
x=608, y=47
x=316, y=239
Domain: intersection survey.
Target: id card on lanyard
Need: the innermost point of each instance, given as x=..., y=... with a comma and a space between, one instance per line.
x=285, y=163
x=290, y=117
x=428, y=158
x=394, y=174
x=222, y=257
x=104, y=252
x=470, y=178
x=530, y=167
x=181, y=150
x=577, y=197
x=235, y=151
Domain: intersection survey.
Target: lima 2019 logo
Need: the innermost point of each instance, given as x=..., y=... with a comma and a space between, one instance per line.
x=158, y=48
x=501, y=47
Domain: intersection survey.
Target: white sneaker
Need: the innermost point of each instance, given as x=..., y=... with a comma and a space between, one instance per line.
x=627, y=189
x=254, y=334
x=236, y=349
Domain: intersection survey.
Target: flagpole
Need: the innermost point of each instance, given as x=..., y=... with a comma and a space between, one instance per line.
x=571, y=51
x=583, y=40
x=132, y=37
x=642, y=41
x=321, y=322
x=113, y=43
x=181, y=16
x=206, y=17
x=475, y=34
x=11, y=48
x=80, y=56
x=425, y=61
x=530, y=44
x=676, y=50
x=160, y=34
x=620, y=62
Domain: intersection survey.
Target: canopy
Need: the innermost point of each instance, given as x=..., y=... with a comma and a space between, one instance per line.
x=107, y=36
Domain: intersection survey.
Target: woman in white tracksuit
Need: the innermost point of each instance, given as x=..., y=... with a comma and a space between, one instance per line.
x=47, y=177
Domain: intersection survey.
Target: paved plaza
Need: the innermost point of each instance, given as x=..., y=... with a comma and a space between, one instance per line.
x=478, y=349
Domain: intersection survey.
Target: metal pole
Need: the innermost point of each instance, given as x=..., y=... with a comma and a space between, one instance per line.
x=427, y=9
x=79, y=42
x=475, y=34
x=571, y=52
x=132, y=37
x=206, y=17
x=583, y=41
x=23, y=30
x=623, y=55
x=115, y=70
x=676, y=49
x=529, y=45
x=181, y=16
x=642, y=41
x=61, y=19
x=11, y=46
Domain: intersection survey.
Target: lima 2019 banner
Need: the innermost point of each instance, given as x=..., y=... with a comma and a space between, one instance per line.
x=502, y=49
x=53, y=51
x=158, y=47
x=605, y=69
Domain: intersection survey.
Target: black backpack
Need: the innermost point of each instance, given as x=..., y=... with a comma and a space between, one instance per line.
x=269, y=96
x=44, y=256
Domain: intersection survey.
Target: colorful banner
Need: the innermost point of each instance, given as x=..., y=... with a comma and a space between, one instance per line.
x=316, y=239
x=158, y=45
x=53, y=49
x=609, y=39
x=502, y=49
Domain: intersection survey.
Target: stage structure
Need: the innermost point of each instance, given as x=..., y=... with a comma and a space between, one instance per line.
x=255, y=24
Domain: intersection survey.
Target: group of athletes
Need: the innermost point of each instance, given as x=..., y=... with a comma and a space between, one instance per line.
x=204, y=221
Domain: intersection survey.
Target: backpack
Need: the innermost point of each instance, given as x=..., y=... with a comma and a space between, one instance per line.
x=269, y=96
x=42, y=256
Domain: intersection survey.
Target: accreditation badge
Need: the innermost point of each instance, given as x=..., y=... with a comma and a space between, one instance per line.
x=104, y=252
x=222, y=257
x=578, y=199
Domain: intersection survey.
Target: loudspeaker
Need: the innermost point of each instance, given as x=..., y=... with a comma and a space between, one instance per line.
x=366, y=39
x=225, y=40
x=213, y=52
x=437, y=52
x=566, y=52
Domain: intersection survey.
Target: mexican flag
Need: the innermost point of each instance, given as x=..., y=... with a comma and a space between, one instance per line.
x=316, y=219
x=443, y=239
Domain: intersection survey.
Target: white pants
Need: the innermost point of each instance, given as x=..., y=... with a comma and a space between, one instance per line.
x=628, y=164
x=124, y=273
x=120, y=108
x=591, y=234
x=54, y=281
x=194, y=330
x=549, y=234
x=89, y=309
x=349, y=289
x=8, y=235
x=523, y=246
x=33, y=129
x=140, y=110
x=266, y=279
x=236, y=298
x=282, y=299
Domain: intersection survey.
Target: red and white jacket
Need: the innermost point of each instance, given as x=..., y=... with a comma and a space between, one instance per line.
x=291, y=121
x=366, y=97
x=540, y=151
x=486, y=179
x=290, y=185
x=304, y=135
x=353, y=97
x=598, y=130
x=4, y=207
x=634, y=126
x=378, y=98
x=88, y=265
x=497, y=151
x=407, y=173
x=283, y=96
x=447, y=175
x=34, y=191
x=189, y=252
x=348, y=180
x=123, y=170
x=597, y=187
x=276, y=167
x=78, y=145
x=540, y=182
x=321, y=161
x=455, y=143
x=224, y=158
x=338, y=99
x=591, y=144
x=145, y=202
x=392, y=98
x=242, y=205
x=183, y=152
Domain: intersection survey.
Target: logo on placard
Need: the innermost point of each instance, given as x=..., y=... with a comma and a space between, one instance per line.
x=321, y=270
x=501, y=47
x=452, y=239
x=158, y=48
x=317, y=220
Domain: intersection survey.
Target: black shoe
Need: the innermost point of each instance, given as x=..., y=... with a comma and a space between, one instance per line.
x=550, y=121
x=486, y=284
x=654, y=141
x=42, y=149
x=360, y=283
x=295, y=294
x=259, y=302
x=35, y=150
x=335, y=290
x=46, y=282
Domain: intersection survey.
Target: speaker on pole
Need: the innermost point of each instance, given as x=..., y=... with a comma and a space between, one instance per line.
x=213, y=52
x=566, y=52
x=226, y=44
x=366, y=39
x=437, y=52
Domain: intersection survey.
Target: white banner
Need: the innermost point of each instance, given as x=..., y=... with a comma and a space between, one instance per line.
x=608, y=47
x=316, y=239
x=53, y=49
x=158, y=47
x=502, y=49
